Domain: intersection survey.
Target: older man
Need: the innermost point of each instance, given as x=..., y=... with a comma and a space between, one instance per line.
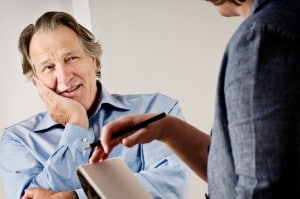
x=39, y=155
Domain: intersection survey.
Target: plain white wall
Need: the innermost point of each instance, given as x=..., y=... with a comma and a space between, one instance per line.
x=171, y=46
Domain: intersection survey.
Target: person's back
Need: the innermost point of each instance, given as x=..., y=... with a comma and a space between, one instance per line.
x=255, y=139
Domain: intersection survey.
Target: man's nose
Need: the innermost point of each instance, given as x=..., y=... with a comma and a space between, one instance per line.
x=64, y=74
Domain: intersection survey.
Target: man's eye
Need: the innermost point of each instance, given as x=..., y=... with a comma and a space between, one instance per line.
x=48, y=68
x=72, y=59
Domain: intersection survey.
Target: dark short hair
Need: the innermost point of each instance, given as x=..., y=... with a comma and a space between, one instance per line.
x=49, y=21
x=219, y=2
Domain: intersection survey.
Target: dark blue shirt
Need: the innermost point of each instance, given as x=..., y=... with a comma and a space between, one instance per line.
x=255, y=149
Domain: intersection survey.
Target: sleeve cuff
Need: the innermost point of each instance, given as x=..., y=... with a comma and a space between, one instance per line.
x=76, y=136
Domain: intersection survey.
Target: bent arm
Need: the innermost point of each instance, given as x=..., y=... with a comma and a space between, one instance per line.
x=32, y=168
x=189, y=143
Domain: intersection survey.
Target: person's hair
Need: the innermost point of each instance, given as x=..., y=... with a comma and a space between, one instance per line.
x=49, y=21
x=219, y=2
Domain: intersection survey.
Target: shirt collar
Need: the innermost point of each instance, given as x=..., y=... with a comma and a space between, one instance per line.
x=46, y=122
x=107, y=98
x=257, y=4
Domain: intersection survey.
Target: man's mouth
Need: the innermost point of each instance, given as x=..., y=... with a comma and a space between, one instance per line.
x=69, y=91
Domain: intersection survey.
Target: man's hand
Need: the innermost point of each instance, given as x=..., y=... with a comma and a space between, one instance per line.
x=40, y=193
x=62, y=109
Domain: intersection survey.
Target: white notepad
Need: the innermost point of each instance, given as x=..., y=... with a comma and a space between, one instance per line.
x=110, y=179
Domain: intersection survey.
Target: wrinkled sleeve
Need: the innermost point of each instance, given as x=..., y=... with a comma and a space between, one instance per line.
x=262, y=99
x=21, y=169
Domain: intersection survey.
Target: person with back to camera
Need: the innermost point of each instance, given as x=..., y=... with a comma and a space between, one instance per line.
x=253, y=150
x=40, y=155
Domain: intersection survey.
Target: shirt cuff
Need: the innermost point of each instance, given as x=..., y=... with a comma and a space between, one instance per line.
x=80, y=194
x=76, y=136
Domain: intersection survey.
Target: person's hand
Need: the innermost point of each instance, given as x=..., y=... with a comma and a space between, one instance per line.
x=40, y=193
x=143, y=135
x=62, y=109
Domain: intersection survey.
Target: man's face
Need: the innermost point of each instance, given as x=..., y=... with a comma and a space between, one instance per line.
x=60, y=61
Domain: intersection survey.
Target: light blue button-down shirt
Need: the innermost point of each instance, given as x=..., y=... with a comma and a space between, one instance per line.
x=39, y=152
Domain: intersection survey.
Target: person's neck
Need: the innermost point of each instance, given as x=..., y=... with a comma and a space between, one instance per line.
x=94, y=106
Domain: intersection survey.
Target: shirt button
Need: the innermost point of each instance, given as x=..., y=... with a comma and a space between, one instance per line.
x=84, y=139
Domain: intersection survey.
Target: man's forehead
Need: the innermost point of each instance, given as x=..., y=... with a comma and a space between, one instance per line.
x=57, y=42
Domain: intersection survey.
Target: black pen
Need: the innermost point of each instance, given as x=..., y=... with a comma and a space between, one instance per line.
x=129, y=129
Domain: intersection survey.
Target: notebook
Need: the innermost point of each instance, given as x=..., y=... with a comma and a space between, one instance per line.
x=110, y=179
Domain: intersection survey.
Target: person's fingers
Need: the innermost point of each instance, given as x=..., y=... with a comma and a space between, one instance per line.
x=114, y=127
x=28, y=193
x=138, y=137
x=97, y=154
x=103, y=156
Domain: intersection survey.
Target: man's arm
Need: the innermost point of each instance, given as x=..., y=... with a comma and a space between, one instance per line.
x=30, y=169
x=40, y=193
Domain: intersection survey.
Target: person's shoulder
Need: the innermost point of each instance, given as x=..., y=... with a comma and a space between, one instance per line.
x=28, y=123
x=268, y=24
x=22, y=128
x=144, y=96
x=275, y=16
x=148, y=101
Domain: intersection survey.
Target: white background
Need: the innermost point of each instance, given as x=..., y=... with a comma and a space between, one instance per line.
x=170, y=46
